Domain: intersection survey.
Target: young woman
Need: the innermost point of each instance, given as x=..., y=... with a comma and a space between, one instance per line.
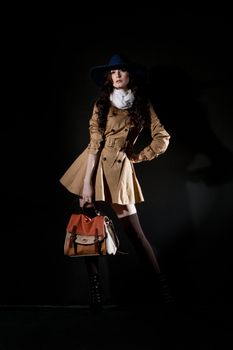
x=105, y=169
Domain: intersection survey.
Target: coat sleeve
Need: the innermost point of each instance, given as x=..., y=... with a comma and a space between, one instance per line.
x=95, y=132
x=160, y=139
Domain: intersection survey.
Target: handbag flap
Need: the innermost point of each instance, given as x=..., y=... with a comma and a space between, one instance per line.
x=83, y=225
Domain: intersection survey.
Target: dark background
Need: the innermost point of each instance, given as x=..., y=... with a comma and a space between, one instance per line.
x=187, y=213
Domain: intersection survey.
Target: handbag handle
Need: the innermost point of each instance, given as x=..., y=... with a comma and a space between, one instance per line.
x=74, y=202
x=93, y=207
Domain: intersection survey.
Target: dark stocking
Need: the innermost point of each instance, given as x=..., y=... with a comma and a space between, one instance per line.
x=92, y=264
x=136, y=235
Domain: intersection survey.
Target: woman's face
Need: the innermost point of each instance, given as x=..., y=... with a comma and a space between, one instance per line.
x=120, y=78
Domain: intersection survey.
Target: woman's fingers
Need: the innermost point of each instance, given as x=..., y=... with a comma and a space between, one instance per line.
x=85, y=200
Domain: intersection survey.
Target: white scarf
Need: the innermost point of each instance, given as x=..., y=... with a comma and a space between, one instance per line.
x=122, y=99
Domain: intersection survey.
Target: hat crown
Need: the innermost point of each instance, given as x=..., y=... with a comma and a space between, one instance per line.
x=118, y=60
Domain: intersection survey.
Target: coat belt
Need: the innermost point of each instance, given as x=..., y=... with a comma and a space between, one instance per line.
x=116, y=143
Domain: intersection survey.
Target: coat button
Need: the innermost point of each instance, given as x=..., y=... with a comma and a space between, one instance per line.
x=113, y=130
x=119, y=161
x=126, y=129
x=104, y=158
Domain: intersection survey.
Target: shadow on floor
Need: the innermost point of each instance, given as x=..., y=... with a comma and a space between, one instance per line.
x=134, y=327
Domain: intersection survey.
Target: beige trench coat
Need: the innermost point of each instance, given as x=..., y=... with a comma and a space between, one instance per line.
x=115, y=180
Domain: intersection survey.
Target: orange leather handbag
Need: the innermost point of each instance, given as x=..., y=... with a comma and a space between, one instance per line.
x=90, y=236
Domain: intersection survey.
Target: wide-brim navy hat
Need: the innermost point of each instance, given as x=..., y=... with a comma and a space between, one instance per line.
x=98, y=73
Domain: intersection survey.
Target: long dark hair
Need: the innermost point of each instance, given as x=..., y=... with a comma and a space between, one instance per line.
x=139, y=112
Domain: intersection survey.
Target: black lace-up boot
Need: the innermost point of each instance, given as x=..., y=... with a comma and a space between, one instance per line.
x=165, y=291
x=95, y=292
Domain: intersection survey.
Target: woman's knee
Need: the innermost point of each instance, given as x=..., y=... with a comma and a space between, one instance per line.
x=124, y=210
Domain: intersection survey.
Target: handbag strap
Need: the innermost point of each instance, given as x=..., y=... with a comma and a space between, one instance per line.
x=75, y=204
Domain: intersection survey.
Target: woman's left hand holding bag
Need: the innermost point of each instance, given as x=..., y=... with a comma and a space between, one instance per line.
x=87, y=195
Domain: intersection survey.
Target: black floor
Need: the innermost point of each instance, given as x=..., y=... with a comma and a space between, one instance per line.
x=134, y=327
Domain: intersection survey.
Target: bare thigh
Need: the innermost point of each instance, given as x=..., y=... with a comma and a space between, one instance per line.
x=124, y=210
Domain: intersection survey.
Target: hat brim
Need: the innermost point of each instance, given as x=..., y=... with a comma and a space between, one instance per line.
x=98, y=73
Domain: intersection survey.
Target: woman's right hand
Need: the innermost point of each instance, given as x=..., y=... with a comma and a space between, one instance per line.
x=136, y=158
x=87, y=195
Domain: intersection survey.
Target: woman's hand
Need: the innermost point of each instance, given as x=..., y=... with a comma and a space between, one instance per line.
x=136, y=158
x=87, y=195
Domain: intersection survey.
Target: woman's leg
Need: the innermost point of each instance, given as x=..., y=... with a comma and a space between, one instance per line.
x=95, y=287
x=128, y=217
x=92, y=265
